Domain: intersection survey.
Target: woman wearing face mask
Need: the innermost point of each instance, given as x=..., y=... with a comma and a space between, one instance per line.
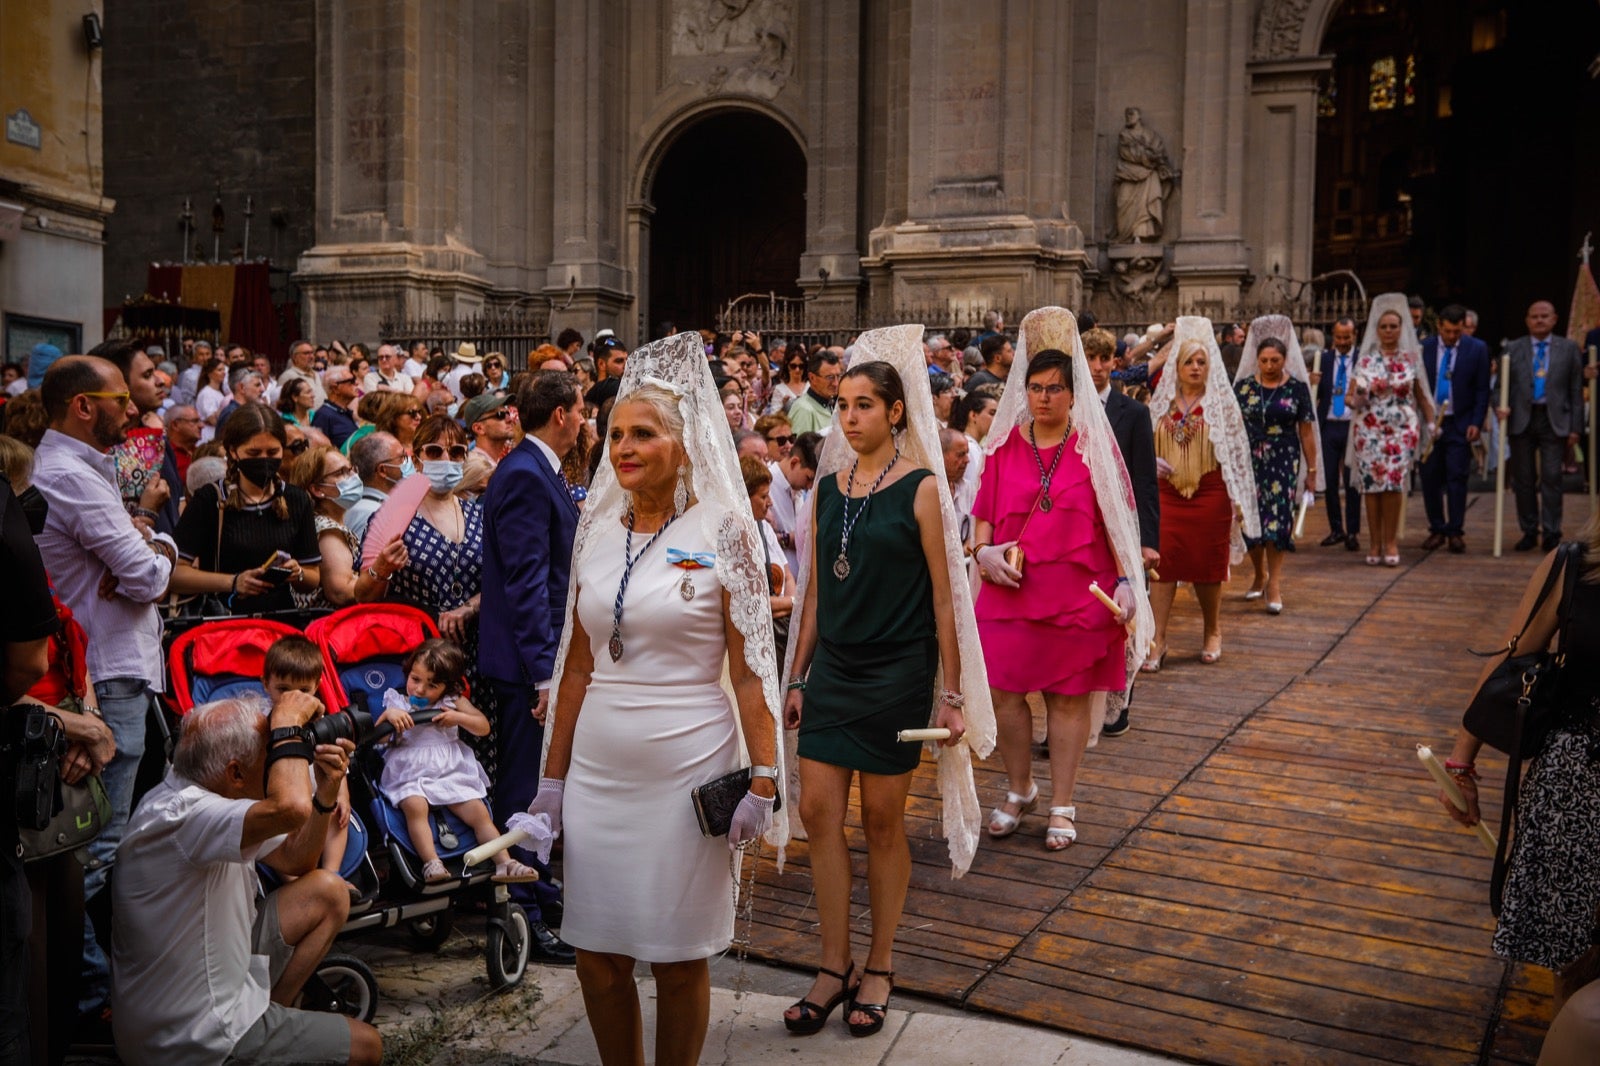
x=334, y=487
x=442, y=545
x=230, y=531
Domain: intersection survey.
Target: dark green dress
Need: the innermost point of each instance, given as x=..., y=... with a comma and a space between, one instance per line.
x=877, y=643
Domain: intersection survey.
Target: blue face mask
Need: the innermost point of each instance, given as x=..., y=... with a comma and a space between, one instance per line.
x=443, y=474
x=407, y=468
x=420, y=703
x=349, y=488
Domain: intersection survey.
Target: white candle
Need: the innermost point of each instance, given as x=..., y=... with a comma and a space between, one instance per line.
x=1453, y=793
x=1316, y=361
x=917, y=736
x=1099, y=594
x=494, y=847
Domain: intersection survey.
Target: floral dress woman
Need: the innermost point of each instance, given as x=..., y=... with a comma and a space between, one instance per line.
x=1384, y=435
x=1272, y=417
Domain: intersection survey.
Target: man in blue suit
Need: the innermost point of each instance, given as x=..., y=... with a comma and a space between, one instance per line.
x=1457, y=366
x=529, y=519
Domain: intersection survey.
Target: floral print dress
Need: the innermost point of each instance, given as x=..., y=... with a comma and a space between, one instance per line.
x=1384, y=434
x=1272, y=418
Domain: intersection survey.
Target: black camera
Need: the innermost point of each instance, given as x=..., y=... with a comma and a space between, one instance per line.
x=34, y=744
x=351, y=725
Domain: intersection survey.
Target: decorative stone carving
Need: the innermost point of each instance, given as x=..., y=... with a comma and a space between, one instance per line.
x=1144, y=180
x=1279, y=29
x=1138, y=274
x=734, y=46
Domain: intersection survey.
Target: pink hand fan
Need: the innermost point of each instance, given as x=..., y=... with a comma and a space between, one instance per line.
x=392, y=517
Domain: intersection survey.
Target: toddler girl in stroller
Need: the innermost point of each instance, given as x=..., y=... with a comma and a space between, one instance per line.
x=428, y=765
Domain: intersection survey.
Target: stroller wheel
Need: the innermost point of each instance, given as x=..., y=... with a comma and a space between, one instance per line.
x=432, y=930
x=510, y=941
x=342, y=984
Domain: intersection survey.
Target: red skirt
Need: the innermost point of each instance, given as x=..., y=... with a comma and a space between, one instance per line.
x=1194, y=532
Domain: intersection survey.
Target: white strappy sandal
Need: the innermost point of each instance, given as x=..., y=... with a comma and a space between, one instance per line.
x=1008, y=823
x=1054, y=836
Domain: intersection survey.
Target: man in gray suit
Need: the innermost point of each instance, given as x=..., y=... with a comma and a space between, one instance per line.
x=1546, y=415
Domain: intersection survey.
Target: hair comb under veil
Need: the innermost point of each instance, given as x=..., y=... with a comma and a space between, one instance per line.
x=1294, y=364
x=1224, y=419
x=1056, y=327
x=678, y=365
x=901, y=348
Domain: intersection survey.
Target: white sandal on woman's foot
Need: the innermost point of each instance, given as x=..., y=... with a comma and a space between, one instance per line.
x=1061, y=838
x=1008, y=823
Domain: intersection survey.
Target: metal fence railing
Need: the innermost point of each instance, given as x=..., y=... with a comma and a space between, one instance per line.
x=515, y=334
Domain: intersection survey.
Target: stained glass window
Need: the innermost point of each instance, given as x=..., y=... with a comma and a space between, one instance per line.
x=1328, y=99
x=1409, y=91
x=1382, y=85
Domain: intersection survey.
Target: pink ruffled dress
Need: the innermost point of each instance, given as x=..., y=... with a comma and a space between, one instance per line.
x=1050, y=635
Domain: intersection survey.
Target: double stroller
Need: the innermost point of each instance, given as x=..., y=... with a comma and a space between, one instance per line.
x=362, y=650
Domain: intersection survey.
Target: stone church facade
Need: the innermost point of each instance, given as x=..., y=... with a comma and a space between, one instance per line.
x=472, y=155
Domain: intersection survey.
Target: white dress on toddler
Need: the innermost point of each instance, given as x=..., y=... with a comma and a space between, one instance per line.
x=430, y=761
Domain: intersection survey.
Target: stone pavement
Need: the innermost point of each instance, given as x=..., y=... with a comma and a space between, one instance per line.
x=437, y=1010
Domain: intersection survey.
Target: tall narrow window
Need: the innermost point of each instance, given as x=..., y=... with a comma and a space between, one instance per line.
x=1328, y=98
x=1382, y=85
x=1409, y=89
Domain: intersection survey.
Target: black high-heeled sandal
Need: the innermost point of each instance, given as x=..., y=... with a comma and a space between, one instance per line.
x=813, y=1016
x=876, y=1011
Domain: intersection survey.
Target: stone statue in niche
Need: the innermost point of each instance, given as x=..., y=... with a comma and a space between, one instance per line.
x=733, y=46
x=1144, y=180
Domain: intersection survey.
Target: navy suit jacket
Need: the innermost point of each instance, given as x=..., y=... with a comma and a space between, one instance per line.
x=529, y=521
x=1469, y=378
x=1130, y=424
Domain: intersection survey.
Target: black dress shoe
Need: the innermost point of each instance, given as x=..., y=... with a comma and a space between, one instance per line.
x=1118, y=725
x=1552, y=541
x=1331, y=539
x=549, y=949
x=552, y=913
x=1352, y=543
x=1457, y=545
x=1528, y=542
x=1434, y=542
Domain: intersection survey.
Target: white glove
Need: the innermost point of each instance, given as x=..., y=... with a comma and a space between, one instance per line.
x=552, y=790
x=992, y=564
x=1125, y=600
x=540, y=834
x=1163, y=468
x=751, y=819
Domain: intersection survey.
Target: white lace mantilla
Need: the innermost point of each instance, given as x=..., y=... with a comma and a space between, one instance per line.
x=1224, y=424
x=1294, y=365
x=1057, y=327
x=678, y=364
x=901, y=348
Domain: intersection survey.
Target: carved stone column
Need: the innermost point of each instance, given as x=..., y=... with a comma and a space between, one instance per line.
x=1209, y=257
x=1282, y=141
x=392, y=198
x=830, y=269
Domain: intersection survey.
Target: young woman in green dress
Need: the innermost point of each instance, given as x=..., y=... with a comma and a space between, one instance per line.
x=878, y=622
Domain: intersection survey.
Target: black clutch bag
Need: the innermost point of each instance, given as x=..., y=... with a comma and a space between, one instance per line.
x=716, y=800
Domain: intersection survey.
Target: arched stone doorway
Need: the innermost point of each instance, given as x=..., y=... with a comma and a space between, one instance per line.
x=1450, y=151
x=729, y=198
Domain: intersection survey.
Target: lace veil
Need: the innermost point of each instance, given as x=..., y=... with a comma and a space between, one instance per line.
x=678, y=365
x=1224, y=421
x=1410, y=346
x=901, y=348
x=1294, y=365
x=1057, y=327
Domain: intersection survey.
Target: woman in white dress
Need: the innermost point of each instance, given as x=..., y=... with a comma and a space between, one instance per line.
x=668, y=579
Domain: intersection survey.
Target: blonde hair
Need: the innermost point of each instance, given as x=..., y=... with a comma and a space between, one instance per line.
x=1187, y=351
x=16, y=462
x=668, y=408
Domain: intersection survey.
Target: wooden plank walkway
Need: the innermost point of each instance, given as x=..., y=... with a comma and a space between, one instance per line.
x=1262, y=874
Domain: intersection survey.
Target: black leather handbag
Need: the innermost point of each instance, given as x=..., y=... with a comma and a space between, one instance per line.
x=716, y=800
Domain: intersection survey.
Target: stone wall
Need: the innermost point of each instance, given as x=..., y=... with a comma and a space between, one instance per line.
x=199, y=91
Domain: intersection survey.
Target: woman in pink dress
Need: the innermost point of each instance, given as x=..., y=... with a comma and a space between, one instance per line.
x=1041, y=627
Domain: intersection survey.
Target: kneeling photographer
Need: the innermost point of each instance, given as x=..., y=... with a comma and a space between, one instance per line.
x=200, y=972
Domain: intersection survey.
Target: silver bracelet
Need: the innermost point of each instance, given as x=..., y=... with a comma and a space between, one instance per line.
x=953, y=699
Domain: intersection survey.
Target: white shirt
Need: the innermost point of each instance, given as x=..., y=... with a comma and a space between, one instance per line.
x=412, y=369
x=87, y=535
x=182, y=974
x=974, y=474
x=787, y=506
x=550, y=455
x=361, y=512
x=452, y=380
x=397, y=383
x=17, y=387
x=304, y=375
x=185, y=389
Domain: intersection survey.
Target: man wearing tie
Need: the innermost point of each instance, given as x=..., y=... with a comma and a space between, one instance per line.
x=1543, y=419
x=1344, y=522
x=529, y=519
x=1458, y=370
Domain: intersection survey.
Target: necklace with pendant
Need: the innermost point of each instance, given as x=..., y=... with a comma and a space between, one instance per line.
x=1046, y=476
x=1186, y=424
x=629, y=558
x=841, y=565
